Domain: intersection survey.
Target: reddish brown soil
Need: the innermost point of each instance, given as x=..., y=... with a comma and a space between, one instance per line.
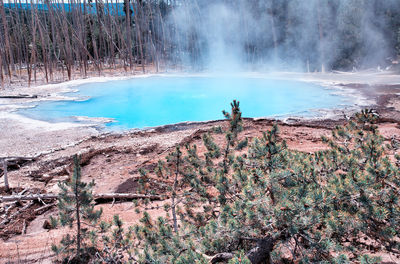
x=113, y=161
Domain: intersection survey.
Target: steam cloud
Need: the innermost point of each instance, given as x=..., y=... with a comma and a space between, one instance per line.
x=314, y=35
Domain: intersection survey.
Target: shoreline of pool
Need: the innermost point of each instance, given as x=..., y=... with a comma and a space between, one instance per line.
x=30, y=137
x=58, y=91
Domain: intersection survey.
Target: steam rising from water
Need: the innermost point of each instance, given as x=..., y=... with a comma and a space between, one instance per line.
x=304, y=35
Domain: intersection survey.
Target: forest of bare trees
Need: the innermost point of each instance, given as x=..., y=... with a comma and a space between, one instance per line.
x=53, y=37
x=55, y=40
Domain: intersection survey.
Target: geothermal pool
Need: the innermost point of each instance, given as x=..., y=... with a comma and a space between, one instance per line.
x=160, y=100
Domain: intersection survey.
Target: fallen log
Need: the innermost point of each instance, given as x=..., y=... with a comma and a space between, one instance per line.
x=10, y=207
x=18, y=211
x=20, y=96
x=108, y=197
x=17, y=159
x=48, y=206
x=27, y=197
x=97, y=197
x=6, y=184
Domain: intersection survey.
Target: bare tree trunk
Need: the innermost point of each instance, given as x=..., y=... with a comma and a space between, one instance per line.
x=321, y=38
x=163, y=48
x=102, y=47
x=25, y=43
x=173, y=206
x=84, y=35
x=95, y=48
x=128, y=32
x=33, y=44
x=73, y=20
x=274, y=37
x=44, y=53
x=47, y=32
x=78, y=219
x=18, y=39
x=67, y=44
x=245, y=29
x=151, y=30
x=1, y=69
x=121, y=44
x=94, y=43
x=8, y=51
x=110, y=43
x=139, y=33
x=53, y=34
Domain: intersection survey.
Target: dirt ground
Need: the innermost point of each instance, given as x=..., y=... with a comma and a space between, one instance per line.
x=112, y=160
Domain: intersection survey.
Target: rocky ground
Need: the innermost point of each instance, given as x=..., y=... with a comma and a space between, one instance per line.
x=112, y=161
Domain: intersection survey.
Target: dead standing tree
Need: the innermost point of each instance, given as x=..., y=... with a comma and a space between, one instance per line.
x=6, y=162
x=8, y=53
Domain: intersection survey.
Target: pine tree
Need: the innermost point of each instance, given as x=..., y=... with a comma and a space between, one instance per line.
x=248, y=207
x=117, y=243
x=253, y=202
x=76, y=210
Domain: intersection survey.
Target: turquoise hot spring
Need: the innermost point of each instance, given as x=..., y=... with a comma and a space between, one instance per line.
x=160, y=100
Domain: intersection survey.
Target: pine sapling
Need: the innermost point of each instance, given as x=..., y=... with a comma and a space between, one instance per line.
x=76, y=210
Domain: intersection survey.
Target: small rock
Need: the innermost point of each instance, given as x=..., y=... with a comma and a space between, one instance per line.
x=46, y=224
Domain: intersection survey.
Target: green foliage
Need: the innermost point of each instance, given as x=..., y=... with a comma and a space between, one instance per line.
x=364, y=259
x=240, y=258
x=257, y=203
x=76, y=210
x=253, y=201
x=117, y=243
